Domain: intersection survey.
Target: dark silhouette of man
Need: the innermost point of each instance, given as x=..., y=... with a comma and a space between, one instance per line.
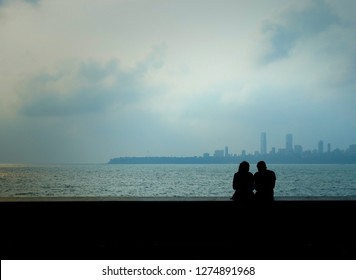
x=265, y=181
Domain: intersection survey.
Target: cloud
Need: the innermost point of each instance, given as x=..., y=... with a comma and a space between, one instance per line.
x=62, y=115
x=308, y=48
x=6, y=2
x=80, y=81
x=296, y=24
x=65, y=94
x=90, y=87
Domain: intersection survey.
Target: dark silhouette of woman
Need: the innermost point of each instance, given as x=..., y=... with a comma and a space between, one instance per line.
x=243, y=183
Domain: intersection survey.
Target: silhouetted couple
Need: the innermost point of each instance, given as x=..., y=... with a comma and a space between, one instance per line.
x=254, y=187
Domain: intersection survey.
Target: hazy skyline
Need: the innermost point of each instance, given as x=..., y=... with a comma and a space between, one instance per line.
x=88, y=80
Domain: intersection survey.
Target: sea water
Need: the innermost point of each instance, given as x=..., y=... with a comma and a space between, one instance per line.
x=171, y=180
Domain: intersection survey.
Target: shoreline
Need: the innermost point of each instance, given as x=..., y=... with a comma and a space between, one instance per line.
x=252, y=159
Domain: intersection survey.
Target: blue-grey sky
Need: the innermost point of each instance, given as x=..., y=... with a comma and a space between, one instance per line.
x=88, y=80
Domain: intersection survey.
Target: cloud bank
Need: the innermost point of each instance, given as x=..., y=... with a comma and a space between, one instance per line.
x=84, y=81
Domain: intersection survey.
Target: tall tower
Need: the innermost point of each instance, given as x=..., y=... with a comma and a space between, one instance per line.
x=289, y=143
x=263, y=143
x=321, y=147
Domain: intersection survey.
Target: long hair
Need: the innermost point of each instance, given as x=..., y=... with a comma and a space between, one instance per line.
x=244, y=166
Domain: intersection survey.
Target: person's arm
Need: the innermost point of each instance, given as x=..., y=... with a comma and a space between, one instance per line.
x=234, y=182
x=274, y=179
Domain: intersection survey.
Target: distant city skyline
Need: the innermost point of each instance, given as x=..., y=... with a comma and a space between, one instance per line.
x=288, y=154
x=289, y=147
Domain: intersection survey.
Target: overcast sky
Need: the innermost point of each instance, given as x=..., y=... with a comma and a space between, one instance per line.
x=88, y=80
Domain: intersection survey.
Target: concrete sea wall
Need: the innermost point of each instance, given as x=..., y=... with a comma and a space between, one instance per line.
x=177, y=228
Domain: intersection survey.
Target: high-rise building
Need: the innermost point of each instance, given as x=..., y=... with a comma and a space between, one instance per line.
x=321, y=147
x=298, y=149
x=226, y=151
x=219, y=153
x=289, y=143
x=263, y=143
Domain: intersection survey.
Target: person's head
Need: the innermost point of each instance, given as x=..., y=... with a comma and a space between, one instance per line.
x=244, y=166
x=261, y=165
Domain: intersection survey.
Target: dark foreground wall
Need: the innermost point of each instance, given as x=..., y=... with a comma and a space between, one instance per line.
x=177, y=229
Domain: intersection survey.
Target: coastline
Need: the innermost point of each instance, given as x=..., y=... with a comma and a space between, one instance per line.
x=252, y=159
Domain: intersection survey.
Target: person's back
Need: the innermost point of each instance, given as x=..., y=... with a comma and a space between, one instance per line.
x=264, y=182
x=243, y=183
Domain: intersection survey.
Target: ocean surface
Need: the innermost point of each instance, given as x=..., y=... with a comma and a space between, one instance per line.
x=172, y=180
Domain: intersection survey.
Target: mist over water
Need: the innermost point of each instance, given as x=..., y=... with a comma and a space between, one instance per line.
x=173, y=180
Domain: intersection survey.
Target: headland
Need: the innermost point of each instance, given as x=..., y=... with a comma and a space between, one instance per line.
x=325, y=158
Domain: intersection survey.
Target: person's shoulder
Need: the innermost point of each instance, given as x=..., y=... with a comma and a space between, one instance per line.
x=272, y=173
